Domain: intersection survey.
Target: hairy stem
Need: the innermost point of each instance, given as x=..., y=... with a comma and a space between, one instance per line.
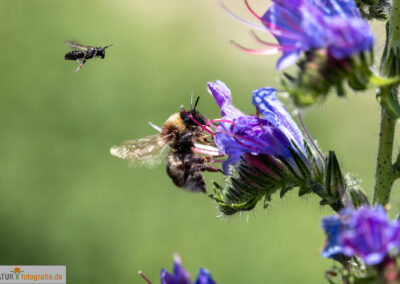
x=386, y=172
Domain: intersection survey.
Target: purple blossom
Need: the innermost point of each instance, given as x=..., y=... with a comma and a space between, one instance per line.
x=365, y=232
x=302, y=25
x=371, y=235
x=181, y=276
x=274, y=134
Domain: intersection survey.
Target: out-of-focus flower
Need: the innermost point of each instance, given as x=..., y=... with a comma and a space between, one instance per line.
x=366, y=232
x=332, y=226
x=335, y=41
x=181, y=276
x=304, y=25
x=371, y=235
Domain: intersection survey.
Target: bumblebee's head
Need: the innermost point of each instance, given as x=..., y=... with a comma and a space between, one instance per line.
x=191, y=117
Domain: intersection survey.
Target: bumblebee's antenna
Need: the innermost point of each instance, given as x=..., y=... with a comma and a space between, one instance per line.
x=197, y=101
x=108, y=46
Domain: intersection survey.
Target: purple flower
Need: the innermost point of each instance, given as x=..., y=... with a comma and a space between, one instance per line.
x=365, y=232
x=304, y=25
x=273, y=134
x=371, y=235
x=181, y=276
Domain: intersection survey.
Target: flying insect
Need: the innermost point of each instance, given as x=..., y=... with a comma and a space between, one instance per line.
x=82, y=53
x=179, y=134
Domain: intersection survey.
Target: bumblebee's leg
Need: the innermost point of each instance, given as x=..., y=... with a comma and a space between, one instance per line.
x=203, y=167
x=203, y=140
x=212, y=169
x=202, y=160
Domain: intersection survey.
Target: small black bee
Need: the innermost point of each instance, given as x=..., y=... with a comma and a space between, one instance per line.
x=84, y=53
x=179, y=133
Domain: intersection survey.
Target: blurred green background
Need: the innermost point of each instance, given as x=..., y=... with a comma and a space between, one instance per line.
x=66, y=200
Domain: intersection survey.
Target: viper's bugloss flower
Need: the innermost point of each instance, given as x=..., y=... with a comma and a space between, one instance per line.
x=265, y=154
x=181, y=276
x=330, y=41
x=305, y=25
x=366, y=232
x=275, y=134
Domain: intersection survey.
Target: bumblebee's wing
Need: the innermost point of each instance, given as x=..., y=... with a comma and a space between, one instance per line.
x=76, y=45
x=147, y=151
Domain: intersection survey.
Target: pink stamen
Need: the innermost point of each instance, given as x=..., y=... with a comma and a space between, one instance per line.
x=195, y=121
x=259, y=119
x=276, y=45
x=239, y=19
x=236, y=138
x=268, y=51
x=309, y=137
x=217, y=120
x=144, y=277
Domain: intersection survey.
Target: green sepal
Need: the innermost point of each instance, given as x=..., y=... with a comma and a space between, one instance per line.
x=355, y=192
x=387, y=97
x=319, y=73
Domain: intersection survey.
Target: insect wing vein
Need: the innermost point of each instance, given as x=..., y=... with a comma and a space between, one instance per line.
x=147, y=151
x=76, y=45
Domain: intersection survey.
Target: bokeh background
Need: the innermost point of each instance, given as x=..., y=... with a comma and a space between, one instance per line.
x=65, y=200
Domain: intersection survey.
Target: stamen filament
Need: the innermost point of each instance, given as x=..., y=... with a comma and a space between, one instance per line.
x=259, y=119
x=268, y=51
x=239, y=19
x=217, y=120
x=272, y=28
x=144, y=277
x=282, y=47
x=195, y=121
x=235, y=137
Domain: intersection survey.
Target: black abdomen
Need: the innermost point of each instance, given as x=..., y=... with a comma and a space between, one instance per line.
x=74, y=55
x=183, y=171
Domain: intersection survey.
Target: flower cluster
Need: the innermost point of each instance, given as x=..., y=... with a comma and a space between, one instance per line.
x=366, y=232
x=267, y=154
x=181, y=276
x=306, y=25
x=337, y=44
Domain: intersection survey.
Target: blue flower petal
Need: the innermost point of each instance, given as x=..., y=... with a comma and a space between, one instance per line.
x=271, y=135
x=222, y=96
x=204, y=277
x=266, y=100
x=332, y=226
x=180, y=276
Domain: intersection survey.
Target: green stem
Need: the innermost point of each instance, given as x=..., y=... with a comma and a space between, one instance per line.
x=386, y=173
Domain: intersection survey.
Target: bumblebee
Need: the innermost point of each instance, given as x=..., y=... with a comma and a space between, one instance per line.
x=179, y=134
x=82, y=53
